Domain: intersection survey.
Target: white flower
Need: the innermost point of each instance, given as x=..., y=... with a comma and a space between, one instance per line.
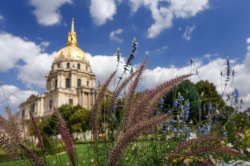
x=193, y=136
x=229, y=145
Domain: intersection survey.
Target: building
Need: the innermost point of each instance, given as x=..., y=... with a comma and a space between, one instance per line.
x=70, y=81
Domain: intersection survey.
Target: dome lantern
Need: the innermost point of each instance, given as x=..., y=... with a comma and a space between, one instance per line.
x=71, y=51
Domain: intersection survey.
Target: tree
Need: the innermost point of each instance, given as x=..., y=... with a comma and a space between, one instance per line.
x=76, y=119
x=80, y=120
x=189, y=92
x=210, y=94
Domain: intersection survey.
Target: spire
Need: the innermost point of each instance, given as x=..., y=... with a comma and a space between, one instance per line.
x=72, y=26
x=72, y=40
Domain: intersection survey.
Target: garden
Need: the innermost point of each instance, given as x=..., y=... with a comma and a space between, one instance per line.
x=176, y=123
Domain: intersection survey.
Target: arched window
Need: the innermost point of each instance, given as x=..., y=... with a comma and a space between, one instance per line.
x=58, y=65
x=78, y=66
x=86, y=68
x=68, y=65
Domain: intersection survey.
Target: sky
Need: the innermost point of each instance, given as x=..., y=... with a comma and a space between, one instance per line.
x=169, y=32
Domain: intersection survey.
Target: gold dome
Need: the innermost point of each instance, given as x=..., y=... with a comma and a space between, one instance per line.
x=71, y=51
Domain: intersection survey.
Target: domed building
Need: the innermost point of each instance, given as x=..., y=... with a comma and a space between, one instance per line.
x=70, y=81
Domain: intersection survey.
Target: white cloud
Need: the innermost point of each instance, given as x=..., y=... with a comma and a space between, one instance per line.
x=163, y=16
x=187, y=34
x=104, y=65
x=14, y=97
x=247, y=59
x=33, y=61
x=113, y=36
x=103, y=10
x=164, y=47
x=44, y=45
x=47, y=11
x=161, y=48
x=1, y=17
x=207, y=56
x=35, y=68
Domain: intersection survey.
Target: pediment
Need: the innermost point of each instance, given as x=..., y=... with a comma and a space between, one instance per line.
x=31, y=98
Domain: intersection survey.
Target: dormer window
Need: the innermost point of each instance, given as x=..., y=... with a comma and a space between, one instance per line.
x=68, y=65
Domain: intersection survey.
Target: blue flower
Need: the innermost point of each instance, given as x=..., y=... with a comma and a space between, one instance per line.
x=174, y=130
x=176, y=104
x=210, y=107
x=174, y=121
x=202, y=129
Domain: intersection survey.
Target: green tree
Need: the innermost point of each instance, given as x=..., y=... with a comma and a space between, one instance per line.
x=75, y=117
x=209, y=94
x=189, y=92
x=80, y=120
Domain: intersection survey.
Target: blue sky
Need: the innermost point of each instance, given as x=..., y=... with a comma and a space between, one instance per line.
x=170, y=32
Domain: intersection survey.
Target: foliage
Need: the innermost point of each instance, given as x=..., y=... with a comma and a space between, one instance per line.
x=80, y=120
x=188, y=91
x=209, y=94
x=76, y=119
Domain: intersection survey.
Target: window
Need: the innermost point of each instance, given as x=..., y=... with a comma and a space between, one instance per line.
x=79, y=82
x=55, y=84
x=50, y=104
x=78, y=66
x=71, y=101
x=87, y=83
x=58, y=65
x=86, y=68
x=67, y=82
x=68, y=65
x=32, y=107
x=23, y=114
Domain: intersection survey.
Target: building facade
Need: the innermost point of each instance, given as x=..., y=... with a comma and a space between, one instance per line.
x=70, y=81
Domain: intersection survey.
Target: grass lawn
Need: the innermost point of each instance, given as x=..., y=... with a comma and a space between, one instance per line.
x=82, y=158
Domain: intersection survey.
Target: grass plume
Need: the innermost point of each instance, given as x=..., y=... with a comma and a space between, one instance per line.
x=130, y=135
x=66, y=137
x=33, y=158
x=96, y=112
x=38, y=133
